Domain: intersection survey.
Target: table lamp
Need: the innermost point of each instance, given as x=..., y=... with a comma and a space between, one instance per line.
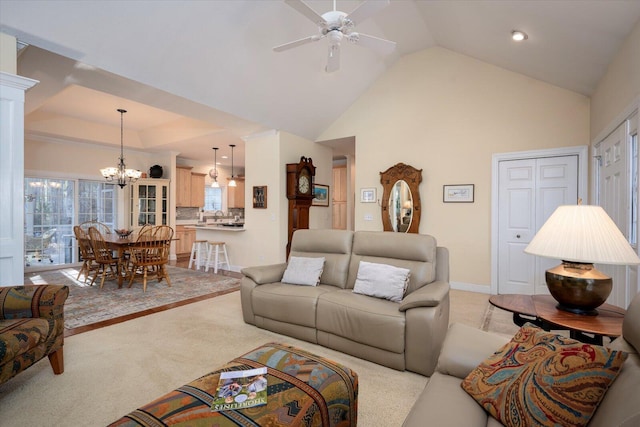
x=581, y=235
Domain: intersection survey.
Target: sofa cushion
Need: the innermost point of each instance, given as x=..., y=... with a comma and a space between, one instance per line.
x=465, y=347
x=18, y=336
x=544, y=379
x=303, y=271
x=371, y=321
x=381, y=281
x=334, y=245
x=443, y=403
x=288, y=303
x=417, y=252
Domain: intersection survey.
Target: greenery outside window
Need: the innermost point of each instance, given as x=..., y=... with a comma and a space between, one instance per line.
x=52, y=207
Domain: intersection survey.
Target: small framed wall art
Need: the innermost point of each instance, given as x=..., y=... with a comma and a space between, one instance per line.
x=458, y=193
x=367, y=195
x=320, y=195
x=260, y=197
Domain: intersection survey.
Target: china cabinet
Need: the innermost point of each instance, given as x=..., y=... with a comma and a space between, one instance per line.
x=149, y=202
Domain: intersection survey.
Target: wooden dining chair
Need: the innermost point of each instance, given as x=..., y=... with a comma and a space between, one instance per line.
x=86, y=253
x=103, y=256
x=150, y=256
x=102, y=228
x=145, y=228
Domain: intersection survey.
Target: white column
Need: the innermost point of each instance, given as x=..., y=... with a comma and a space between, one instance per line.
x=12, y=89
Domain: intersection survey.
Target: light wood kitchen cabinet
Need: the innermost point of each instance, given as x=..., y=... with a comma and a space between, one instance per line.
x=235, y=195
x=339, y=198
x=189, y=188
x=185, y=238
x=183, y=186
x=197, y=190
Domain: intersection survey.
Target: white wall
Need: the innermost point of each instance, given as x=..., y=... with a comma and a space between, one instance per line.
x=619, y=87
x=447, y=114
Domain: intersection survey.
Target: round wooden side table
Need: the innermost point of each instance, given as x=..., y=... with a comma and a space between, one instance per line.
x=541, y=310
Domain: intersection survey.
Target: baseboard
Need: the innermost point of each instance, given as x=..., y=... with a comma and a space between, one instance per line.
x=470, y=287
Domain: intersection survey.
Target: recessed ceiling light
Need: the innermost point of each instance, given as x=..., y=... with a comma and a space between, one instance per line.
x=519, y=36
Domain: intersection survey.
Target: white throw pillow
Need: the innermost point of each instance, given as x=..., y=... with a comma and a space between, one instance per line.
x=303, y=271
x=381, y=281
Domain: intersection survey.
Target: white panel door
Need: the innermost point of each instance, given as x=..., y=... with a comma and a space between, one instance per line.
x=556, y=184
x=516, y=219
x=614, y=198
x=529, y=191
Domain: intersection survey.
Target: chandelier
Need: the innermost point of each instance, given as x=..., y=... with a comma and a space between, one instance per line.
x=121, y=173
x=213, y=173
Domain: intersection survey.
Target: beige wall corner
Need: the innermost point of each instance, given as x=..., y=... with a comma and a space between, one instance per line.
x=447, y=114
x=619, y=87
x=8, y=54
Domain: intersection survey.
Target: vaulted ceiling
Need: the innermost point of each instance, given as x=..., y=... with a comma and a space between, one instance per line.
x=195, y=74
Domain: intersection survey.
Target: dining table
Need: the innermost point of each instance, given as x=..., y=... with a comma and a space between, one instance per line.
x=120, y=244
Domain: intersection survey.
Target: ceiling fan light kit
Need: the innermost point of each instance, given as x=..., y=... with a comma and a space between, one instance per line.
x=519, y=36
x=336, y=25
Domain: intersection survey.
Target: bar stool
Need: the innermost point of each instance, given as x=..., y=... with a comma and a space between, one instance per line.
x=199, y=253
x=214, y=249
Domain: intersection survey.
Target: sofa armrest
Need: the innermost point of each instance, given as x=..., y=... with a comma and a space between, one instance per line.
x=465, y=347
x=427, y=296
x=265, y=273
x=31, y=301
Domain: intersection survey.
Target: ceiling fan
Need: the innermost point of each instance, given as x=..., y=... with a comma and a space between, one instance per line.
x=337, y=26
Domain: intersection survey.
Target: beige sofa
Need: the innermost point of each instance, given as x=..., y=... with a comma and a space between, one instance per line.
x=404, y=336
x=444, y=403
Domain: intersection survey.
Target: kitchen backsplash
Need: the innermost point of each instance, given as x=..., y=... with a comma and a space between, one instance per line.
x=187, y=213
x=194, y=213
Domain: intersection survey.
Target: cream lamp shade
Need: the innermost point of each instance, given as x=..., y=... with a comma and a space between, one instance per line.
x=580, y=236
x=582, y=233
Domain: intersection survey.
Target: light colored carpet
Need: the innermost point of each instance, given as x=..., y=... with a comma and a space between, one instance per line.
x=113, y=370
x=89, y=304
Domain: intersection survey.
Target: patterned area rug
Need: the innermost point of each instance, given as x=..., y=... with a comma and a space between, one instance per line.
x=89, y=304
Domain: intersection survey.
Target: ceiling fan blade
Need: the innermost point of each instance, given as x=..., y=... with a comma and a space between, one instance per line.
x=296, y=43
x=304, y=9
x=378, y=44
x=333, y=60
x=367, y=9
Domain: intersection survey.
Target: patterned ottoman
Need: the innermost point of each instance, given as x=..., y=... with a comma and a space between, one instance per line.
x=303, y=390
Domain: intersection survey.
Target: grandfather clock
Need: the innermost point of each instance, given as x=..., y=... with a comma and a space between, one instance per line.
x=300, y=194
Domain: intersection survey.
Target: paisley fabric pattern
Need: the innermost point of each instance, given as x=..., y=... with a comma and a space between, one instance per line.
x=31, y=325
x=303, y=390
x=543, y=379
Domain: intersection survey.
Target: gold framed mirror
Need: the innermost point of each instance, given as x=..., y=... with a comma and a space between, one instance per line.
x=401, y=198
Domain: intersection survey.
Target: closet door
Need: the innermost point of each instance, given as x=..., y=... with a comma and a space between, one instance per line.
x=529, y=191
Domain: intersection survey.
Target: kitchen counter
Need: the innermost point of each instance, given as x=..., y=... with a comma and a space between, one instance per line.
x=186, y=222
x=216, y=227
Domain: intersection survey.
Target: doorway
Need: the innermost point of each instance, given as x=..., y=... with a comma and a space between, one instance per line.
x=527, y=187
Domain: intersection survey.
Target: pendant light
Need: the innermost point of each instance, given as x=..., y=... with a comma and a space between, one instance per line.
x=232, y=183
x=213, y=173
x=121, y=173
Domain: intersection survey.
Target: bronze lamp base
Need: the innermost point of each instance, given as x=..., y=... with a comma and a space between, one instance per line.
x=578, y=287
